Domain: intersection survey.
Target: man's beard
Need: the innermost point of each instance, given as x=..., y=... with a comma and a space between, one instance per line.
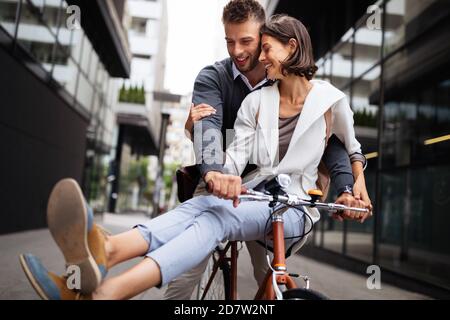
x=253, y=62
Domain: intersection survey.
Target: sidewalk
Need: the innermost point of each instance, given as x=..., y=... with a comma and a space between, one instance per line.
x=333, y=282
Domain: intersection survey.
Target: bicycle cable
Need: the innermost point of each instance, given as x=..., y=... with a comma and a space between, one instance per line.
x=304, y=224
x=265, y=231
x=288, y=238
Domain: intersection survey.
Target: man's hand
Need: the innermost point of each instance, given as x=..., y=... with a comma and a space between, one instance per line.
x=225, y=186
x=197, y=113
x=348, y=200
x=360, y=193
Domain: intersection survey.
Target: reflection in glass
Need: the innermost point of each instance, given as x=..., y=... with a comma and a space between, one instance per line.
x=367, y=49
x=342, y=63
x=8, y=10
x=93, y=67
x=320, y=74
x=333, y=236
x=415, y=233
x=86, y=55
x=85, y=93
x=36, y=37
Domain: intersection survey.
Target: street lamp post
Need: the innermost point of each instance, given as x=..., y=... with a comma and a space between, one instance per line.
x=159, y=183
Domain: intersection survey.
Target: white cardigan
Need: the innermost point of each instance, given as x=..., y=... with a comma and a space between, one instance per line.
x=256, y=140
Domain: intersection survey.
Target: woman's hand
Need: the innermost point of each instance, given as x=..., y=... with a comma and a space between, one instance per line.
x=360, y=193
x=224, y=186
x=350, y=201
x=197, y=113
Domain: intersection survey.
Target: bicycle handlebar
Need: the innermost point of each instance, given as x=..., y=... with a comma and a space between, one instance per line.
x=293, y=200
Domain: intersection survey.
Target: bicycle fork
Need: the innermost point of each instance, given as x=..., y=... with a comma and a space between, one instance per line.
x=277, y=273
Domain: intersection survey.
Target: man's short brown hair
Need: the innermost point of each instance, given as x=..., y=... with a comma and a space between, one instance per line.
x=238, y=11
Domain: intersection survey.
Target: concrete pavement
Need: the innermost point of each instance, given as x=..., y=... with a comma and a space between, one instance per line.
x=331, y=281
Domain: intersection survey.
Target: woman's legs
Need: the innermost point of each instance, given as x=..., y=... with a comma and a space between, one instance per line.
x=125, y=246
x=139, y=278
x=187, y=248
x=136, y=242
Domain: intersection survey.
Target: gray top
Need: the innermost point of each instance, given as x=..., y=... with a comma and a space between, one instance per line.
x=286, y=127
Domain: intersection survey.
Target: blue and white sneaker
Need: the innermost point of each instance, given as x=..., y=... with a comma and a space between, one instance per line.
x=48, y=286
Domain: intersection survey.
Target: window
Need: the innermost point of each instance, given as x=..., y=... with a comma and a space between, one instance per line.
x=8, y=11
x=139, y=25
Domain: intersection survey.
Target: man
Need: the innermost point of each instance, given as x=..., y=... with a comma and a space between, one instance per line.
x=219, y=90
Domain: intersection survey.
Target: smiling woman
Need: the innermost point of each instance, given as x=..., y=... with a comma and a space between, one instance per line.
x=290, y=45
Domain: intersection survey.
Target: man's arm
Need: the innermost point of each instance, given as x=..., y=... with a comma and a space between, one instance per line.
x=338, y=164
x=342, y=172
x=207, y=131
x=196, y=113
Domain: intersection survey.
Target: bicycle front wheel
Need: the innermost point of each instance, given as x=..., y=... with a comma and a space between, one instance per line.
x=303, y=294
x=220, y=285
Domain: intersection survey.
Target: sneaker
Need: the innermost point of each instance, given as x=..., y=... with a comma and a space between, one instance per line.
x=71, y=225
x=48, y=286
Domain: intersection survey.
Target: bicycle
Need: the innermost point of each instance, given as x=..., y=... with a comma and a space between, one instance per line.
x=223, y=285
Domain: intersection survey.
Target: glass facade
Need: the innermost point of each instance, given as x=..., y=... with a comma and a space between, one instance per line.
x=66, y=56
x=399, y=89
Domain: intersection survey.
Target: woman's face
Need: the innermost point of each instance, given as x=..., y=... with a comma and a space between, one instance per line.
x=273, y=53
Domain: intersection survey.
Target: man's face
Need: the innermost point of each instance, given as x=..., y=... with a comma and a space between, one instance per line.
x=243, y=44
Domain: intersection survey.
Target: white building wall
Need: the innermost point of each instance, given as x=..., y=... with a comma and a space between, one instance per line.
x=144, y=31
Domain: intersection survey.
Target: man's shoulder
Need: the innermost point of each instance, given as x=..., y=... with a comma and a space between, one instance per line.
x=219, y=69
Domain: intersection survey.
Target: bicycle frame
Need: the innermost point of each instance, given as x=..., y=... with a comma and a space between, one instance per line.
x=266, y=290
x=277, y=273
x=233, y=269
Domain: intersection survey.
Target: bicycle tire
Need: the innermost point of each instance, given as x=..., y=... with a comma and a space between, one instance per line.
x=303, y=294
x=220, y=287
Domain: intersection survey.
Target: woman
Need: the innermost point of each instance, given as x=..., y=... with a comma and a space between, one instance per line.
x=281, y=128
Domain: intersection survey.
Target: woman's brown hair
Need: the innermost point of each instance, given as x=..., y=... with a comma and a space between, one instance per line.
x=283, y=28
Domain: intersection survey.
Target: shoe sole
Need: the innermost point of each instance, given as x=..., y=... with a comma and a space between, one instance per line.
x=67, y=221
x=32, y=279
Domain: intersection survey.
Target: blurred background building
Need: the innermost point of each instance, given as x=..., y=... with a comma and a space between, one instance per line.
x=393, y=62
x=58, y=95
x=89, y=102
x=78, y=83
x=138, y=113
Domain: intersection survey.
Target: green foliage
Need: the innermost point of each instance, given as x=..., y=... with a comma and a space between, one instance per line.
x=168, y=176
x=365, y=118
x=132, y=94
x=137, y=173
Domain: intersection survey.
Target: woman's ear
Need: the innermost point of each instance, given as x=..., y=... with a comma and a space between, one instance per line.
x=293, y=44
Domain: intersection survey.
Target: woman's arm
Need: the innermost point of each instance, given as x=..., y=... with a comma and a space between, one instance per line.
x=229, y=185
x=343, y=126
x=239, y=151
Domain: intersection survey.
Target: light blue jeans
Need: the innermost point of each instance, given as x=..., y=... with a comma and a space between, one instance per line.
x=181, y=238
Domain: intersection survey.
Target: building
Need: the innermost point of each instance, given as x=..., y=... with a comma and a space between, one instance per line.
x=138, y=110
x=393, y=62
x=58, y=90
